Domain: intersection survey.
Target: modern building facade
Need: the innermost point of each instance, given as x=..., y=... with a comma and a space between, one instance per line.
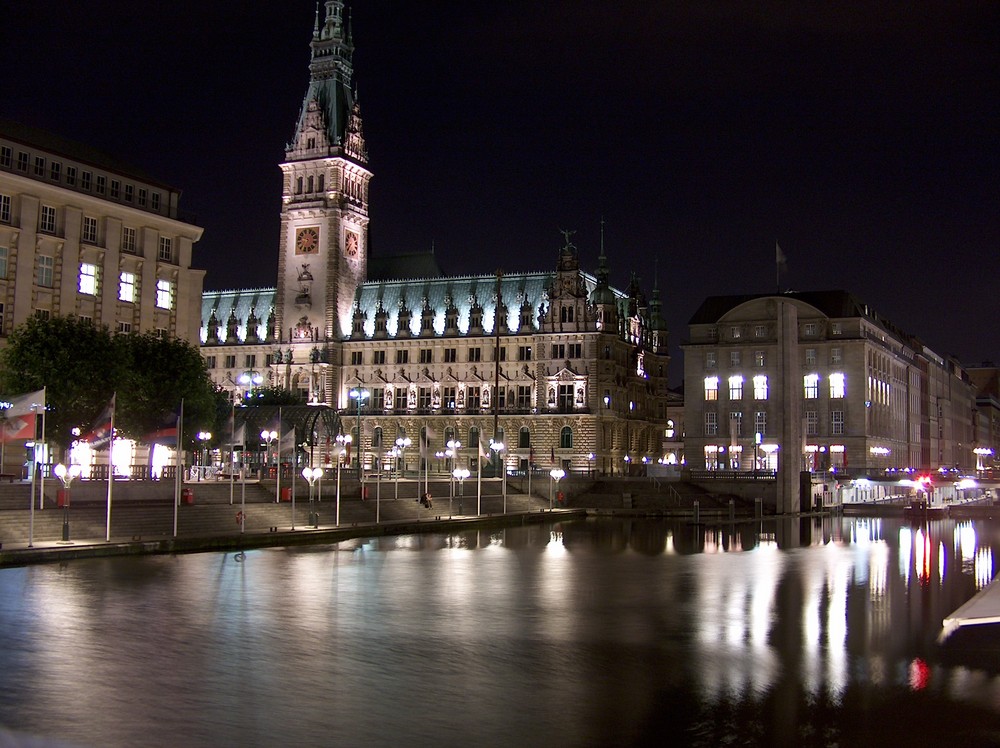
x=556, y=364
x=83, y=235
x=819, y=382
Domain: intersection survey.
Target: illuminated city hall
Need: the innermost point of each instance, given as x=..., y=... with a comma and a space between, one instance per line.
x=555, y=364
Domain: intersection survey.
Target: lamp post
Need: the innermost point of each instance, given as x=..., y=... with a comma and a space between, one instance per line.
x=402, y=442
x=344, y=443
x=555, y=474
x=267, y=437
x=249, y=379
x=312, y=475
x=204, y=437
x=359, y=395
x=498, y=448
x=392, y=454
x=66, y=475
x=461, y=474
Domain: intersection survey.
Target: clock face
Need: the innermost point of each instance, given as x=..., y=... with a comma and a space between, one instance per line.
x=307, y=241
x=351, y=244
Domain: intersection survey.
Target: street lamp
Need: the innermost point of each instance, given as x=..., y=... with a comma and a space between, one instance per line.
x=344, y=440
x=66, y=475
x=402, y=442
x=461, y=474
x=981, y=453
x=249, y=379
x=204, y=437
x=312, y=475
x=556, y=474
x=360, y=395
x=392, y=454
x=268, y=437
x=498, y=448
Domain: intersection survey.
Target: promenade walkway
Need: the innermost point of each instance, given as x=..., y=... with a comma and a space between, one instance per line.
x=143, y=516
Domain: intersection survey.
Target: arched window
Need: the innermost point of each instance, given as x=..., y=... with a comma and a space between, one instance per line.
x=319, y=187
x=499, y=436
x=298, y=186
x=309, y=184
x=474, y=437
x=524, y=438
x=566, y=438
x=377, y=438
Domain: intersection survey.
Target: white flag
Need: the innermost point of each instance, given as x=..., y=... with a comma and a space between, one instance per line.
x=24, y=405
x=287, y=441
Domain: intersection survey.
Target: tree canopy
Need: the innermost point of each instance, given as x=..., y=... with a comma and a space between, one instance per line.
x=81, y=365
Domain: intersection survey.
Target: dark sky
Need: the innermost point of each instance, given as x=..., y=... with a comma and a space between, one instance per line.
x=861, y=136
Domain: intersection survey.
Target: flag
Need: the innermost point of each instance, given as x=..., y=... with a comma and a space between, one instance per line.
x=28, y=404
x=287, y=441
x=239, y=436
x=100, y=433
x=779, y=258
x=16, y=428
x=426, y=438
x=483, y=451
x=552, y=454
x=166, y=434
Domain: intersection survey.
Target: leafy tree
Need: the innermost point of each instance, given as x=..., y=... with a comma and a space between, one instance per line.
x=81, y=365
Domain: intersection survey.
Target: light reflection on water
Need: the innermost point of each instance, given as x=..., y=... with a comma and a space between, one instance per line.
x=606, y=632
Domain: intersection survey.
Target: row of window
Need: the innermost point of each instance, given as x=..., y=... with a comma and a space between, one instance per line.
x=808, y=330
x=810, y=385
x=473, y=355
x=89, y=281
x=760, y=358
x=470, y=442
x=810, y=417
x=47, y=224
x=81, y=179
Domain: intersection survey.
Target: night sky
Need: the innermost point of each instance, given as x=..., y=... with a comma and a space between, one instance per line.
x=862, y=137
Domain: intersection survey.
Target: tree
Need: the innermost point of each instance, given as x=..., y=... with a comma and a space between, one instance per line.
x=81, y=365
x=274, y=396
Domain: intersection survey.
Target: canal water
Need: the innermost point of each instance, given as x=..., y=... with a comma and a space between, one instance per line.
x=600, y=632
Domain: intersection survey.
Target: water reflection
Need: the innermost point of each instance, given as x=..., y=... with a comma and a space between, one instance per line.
x=599, y=632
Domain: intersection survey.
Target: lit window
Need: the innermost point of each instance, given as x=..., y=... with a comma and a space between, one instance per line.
x=734, y=332
x=736, y=387
x=126, y=287
x=45, y=265
x=811, y=383
x=760, y=387
x=838, y=385
x=88, y=278
x=669, y=431
x=164, y=294
x=711, y=388
x=759, y=359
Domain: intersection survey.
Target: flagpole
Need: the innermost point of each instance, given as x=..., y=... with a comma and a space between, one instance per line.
x=232, y=451
x=41, y=477
x=479, y=479
x=277, y=467
x=177, y=478
x=111, y=465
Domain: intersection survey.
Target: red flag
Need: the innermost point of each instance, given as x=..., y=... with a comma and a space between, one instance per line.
x=17, y=428
x=100, y=433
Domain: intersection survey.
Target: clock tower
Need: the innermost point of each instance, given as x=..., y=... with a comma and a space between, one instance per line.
x=323, y=247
